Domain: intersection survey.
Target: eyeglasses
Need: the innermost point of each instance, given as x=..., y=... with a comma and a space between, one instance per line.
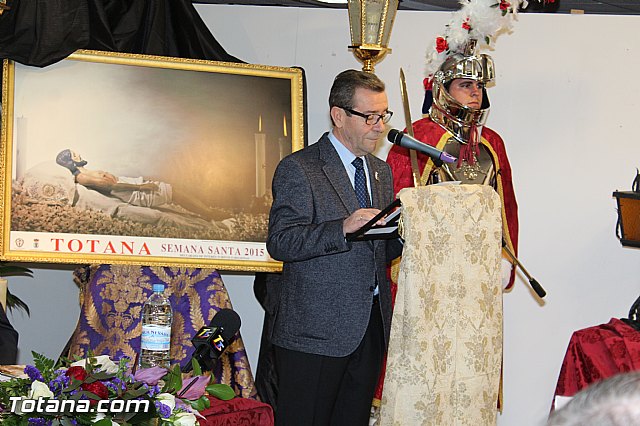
x=371, y=119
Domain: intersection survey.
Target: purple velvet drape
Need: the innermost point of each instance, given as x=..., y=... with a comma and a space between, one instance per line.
x=110, y=319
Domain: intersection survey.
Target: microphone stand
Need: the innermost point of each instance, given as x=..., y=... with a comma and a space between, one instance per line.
x=535, y=285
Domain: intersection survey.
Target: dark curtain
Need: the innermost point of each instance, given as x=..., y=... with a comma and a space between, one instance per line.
x=42, y=32
x=8, y=341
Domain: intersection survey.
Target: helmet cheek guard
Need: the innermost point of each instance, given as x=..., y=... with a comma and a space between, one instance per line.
x=448, y=112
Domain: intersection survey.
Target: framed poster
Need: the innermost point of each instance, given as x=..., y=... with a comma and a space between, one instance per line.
x=119, y=158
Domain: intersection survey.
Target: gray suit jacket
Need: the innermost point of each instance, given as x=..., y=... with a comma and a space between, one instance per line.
x=327, y=283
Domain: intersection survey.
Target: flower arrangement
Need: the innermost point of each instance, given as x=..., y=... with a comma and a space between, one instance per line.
x=101, y=392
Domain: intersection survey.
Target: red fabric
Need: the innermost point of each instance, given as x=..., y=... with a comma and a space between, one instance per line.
x=596, y=353
x=383, y=369
x=237, y=412
x=431, y=133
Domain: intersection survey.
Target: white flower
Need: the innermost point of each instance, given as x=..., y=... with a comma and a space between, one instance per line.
x=487, y=21
x=39, y=390
x=184, y=419
x=101, y=416
x=103, y=361
x=167, y=399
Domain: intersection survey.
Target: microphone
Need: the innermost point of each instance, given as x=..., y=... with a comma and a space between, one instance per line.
x=406, y=141
x=210, y=341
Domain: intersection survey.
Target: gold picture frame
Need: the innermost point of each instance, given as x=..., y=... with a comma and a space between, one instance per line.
x=136, y=159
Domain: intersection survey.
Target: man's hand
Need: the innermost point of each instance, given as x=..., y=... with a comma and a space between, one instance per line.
x=148, y=186
x=96, y=179
x=358, y=219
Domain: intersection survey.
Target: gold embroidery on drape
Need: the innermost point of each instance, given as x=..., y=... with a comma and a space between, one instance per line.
x=445, y=349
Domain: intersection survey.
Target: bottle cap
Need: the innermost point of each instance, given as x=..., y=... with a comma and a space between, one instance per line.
x=158, y=288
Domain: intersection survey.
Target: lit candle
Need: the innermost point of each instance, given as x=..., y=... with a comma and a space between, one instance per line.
x=284, y=125
x=261, y=161
x=283, y=143
x=21, y=143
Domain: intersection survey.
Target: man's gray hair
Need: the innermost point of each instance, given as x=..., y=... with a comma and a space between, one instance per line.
x=345, y=84
x=614, y=401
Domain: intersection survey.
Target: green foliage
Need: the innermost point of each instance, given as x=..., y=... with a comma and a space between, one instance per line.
x=221, y=391
x=197, y=370
x=41, y=362
x=173, y=380
x=9, y=270
x=201, y=403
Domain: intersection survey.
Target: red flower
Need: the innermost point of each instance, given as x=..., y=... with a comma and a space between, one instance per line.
x=504, y=5
x=96, y=388
x=441, y=45
x=465, y=25
x=77, y=373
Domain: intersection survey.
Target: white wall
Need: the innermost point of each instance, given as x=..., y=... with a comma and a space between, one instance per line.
x=566, y=112
x=565, y=102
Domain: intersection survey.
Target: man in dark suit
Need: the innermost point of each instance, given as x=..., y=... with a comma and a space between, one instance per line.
x=333, y=319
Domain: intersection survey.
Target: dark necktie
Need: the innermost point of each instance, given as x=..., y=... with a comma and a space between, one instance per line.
x=360, y=184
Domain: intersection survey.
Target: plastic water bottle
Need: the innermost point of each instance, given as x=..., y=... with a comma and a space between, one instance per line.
x=155, y=346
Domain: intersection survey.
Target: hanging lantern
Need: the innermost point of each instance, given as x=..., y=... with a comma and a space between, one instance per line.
x=370, y=22
x=628, y=230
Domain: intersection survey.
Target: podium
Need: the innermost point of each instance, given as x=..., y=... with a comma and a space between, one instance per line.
x=445, y=350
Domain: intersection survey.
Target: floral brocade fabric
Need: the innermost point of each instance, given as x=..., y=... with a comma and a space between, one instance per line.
x=111, y=300
x=445, y=350
x=596, y=353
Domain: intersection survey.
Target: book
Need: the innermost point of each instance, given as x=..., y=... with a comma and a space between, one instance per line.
x=371, y=231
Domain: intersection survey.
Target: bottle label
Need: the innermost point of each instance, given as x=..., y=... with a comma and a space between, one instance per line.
x=156, y=337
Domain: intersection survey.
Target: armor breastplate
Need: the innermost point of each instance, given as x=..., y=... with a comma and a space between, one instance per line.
x=482, y=172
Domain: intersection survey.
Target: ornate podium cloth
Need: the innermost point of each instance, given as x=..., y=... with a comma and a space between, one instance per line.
x=445, y=350
x=111, y=300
